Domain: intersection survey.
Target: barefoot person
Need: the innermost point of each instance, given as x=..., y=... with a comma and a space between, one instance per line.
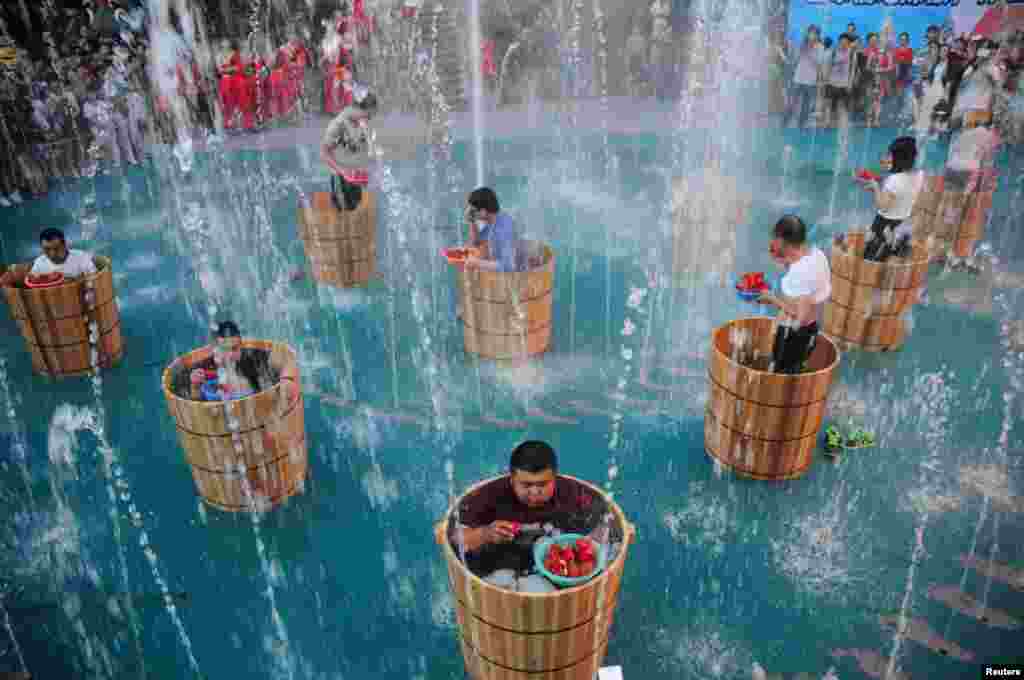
x=345, y=149
x=806, y=286
x=498, y=524
x=894, y=200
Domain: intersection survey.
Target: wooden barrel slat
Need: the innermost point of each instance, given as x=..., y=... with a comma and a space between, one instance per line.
x=271, y=434
x=759, y=424
x=509, y=315
x=951, y=217
x=869, y=298
x=508, y=635
x=878, y=333
x=55, y=322
x=341, y=246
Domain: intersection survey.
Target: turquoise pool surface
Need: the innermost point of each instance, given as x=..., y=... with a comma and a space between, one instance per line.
x=345, y=581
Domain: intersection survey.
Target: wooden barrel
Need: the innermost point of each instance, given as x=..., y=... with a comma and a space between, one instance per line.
x=949, y=217
x=341, y=245
x=271, y=430
x=508, y=315
x=764, y=425
x=55, y=321
x=508, y=635
x=869, y=299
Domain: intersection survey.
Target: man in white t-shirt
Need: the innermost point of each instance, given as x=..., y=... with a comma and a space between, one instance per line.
x=805, y=287
x=57, y=257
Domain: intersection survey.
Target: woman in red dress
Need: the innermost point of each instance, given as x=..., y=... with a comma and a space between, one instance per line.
x=231, y=84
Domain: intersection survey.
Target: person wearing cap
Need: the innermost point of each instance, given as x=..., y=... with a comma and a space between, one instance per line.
x=345, y=148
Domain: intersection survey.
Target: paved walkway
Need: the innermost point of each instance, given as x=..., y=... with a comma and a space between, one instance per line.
x=400, y=134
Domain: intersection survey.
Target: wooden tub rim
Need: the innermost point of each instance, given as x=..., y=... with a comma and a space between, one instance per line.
x=441, y=536
x=821, y=334
x=917, y=247
x=247, y=343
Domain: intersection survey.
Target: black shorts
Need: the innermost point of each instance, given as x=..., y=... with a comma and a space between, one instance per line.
x=793, y=347
x=837, y=93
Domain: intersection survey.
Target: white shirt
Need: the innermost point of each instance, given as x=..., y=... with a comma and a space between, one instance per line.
x=904, y=186
x=78, y=263
x=810, y=275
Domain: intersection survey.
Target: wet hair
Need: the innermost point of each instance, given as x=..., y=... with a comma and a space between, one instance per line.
x=904, y=34
x=827, y=42
x=870, y=36
x=791, y=229
x=845, y=36
x=852, y=24
x=533, y=457
x=484, y=198
x=227, y=329
x=904, y=154
x=51, y=234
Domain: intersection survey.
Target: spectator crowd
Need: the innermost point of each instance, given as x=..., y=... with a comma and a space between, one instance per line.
x=934, y=82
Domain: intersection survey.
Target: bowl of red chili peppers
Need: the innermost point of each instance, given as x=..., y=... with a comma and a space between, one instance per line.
x=751, y=286
x=570, y=559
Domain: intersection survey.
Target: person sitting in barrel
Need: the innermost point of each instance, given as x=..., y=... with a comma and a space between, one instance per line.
x=805, y=287
x=494, y=232
x=230, y=371
x=346, y=136
x=57, y=258
x=497, y=525
x=894, y=200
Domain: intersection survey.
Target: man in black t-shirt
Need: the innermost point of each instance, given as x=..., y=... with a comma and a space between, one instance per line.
x=497, y=525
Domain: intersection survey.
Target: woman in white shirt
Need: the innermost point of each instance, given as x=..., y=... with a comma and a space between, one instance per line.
x=894, y=199
x=805, y=287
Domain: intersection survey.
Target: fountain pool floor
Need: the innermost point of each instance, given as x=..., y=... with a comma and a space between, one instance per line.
x=345, y=581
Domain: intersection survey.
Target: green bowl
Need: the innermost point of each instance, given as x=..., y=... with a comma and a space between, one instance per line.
x=540, y=549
